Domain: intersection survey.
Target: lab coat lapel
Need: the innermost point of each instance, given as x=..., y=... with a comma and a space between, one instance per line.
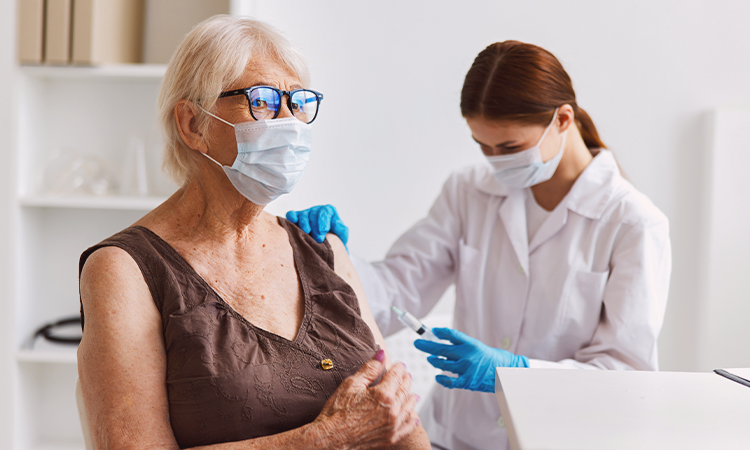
x=513, y=214
x=588, y=197
x=555, y=221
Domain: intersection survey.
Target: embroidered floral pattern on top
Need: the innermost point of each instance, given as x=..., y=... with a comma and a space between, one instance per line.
x=228, y=380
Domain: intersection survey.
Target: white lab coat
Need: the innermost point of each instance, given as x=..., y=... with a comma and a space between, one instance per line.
x=588, y=292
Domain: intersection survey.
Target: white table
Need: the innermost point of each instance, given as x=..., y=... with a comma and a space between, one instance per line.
x=551, y=409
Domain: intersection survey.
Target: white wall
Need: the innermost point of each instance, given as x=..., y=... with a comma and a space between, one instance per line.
x=8, y=122
x=724, y=325
x=390, y=130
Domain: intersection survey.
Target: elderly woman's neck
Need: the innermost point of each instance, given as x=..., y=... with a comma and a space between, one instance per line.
x=215, y=206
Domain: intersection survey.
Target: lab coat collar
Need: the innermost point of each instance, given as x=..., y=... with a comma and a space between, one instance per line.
x=596, y=186
x=590, y=194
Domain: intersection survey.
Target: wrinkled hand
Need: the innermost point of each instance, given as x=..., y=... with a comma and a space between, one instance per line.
x=318, y=221
x=361, y=417
x=473, y=361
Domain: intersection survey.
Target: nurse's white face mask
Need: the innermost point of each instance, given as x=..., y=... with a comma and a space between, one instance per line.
x=526, y=168
x=271, y=157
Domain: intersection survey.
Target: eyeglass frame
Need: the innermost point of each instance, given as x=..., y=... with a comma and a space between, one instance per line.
x=246, y=91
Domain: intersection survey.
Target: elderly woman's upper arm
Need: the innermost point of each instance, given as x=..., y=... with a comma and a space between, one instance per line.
x=345, y=269
x=121, y=359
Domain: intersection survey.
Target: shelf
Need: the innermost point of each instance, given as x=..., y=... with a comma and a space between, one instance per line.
x=153, y=72
x=59, y=446
x=65, y=355
x=93, y=202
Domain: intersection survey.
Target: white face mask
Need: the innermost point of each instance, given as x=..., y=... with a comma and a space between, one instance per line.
x=271, y=157
x=526, y=168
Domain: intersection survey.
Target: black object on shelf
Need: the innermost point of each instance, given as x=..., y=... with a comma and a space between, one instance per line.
x=49, y=331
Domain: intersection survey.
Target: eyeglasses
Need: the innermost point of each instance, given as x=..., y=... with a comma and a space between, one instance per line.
x=265, y=102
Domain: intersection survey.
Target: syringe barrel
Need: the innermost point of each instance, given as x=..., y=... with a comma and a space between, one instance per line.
x=417, y=326
x=411, y=321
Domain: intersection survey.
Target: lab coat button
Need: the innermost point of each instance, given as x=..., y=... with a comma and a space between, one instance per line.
x=506, y=343
x=501, y=422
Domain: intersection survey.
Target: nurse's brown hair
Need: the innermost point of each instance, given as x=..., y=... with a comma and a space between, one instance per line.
x=522, y=82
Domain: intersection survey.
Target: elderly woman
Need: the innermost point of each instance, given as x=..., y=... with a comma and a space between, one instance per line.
x=210, y=323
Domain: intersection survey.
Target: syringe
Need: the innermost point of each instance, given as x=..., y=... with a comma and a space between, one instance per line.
x=414, y=323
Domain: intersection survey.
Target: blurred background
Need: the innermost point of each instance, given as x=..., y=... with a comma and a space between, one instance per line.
x=666, y=83
x=651, y=74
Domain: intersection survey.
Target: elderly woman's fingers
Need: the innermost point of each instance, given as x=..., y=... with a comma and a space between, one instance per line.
x=408, y=420
x=391, y=381
x=369, y=372
x=409, y=413
x=404, y=388
x=374, y=417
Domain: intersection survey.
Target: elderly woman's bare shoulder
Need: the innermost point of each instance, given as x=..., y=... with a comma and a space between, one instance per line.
x=111, y=277
x=343, y=264
x=336, y=245
x=108, y=264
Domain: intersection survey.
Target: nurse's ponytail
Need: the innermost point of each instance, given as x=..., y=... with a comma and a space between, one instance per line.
x=512, y=80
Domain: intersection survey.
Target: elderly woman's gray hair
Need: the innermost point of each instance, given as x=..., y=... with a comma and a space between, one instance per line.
x=214, y=55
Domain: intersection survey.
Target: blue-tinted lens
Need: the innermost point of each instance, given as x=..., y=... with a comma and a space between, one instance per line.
x=304, y=105
x=264, y=103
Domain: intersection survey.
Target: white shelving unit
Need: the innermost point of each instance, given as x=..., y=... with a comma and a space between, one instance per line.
x=87, y=111
x=47, y=356
x=92, y=111
x=121, y=72
x=93, y=202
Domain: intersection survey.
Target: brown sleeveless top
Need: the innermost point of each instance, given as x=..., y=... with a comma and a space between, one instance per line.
x=228, y=380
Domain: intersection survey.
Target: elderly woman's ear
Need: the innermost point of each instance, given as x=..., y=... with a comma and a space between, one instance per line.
x=185, y=114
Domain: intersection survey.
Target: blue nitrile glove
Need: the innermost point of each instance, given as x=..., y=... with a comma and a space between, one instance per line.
x=318, y=221
x=473, y=361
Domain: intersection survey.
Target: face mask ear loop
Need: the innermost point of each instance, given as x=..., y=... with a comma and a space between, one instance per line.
x=215, y=161
x=216, y=117
x=554, y=116
x=219, y=118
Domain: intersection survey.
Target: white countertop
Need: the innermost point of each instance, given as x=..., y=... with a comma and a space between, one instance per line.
x=551, y=409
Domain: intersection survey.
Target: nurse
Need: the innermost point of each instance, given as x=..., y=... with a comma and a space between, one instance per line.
x=558, y=261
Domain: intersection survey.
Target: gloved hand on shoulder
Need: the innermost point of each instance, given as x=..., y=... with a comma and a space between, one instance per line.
x=319, y=221
x=473, y=361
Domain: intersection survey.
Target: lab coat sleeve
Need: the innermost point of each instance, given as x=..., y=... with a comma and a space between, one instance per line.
x=635, y=298
x=419, y=267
